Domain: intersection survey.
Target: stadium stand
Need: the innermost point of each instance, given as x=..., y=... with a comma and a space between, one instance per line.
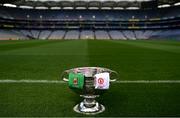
x=55, y=35
x=26, y=33
x=35, y=34
x=102, y=34
x=87, y=34
x=121, y=24
x=32, y=14
x=72, y=34
x=129, y=35
x=116, y=35
x=140, y=35
x=45, y=34
x=99, y=34
x=10, y=35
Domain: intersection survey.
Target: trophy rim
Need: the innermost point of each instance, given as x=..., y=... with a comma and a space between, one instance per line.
x=102, y=69
x=93, y=68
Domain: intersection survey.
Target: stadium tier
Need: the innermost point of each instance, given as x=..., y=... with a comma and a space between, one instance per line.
x=65, y=14
x=89, y=34
x=18, y=23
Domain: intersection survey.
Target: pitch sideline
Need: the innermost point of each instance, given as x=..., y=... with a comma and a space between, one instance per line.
x=121, y=81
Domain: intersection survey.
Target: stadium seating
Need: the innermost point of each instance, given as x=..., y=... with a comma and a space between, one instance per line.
x=116, y=35
x=44, y=34
x=26, y=33
x=150, y=24
x=32, y=14
x=139, y=34
x=101, y=34
x=72, y=34
x=10, y=35
x=170, y=34
x=58, y=34
x=87, y=34
x=129, y=35
x=35, y=34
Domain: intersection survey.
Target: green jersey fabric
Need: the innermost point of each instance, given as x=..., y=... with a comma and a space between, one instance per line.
x=76, y=80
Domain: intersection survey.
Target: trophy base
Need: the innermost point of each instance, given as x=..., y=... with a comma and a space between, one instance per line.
x=96, y=109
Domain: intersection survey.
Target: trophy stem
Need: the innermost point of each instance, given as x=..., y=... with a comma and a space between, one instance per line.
x=89, y=106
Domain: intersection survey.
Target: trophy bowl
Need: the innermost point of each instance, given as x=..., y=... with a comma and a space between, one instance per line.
x=89, y=83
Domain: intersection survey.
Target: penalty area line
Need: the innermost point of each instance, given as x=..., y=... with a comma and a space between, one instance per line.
x=121, y=81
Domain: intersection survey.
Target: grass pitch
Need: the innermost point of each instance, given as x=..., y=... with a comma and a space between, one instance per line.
x=45, y=60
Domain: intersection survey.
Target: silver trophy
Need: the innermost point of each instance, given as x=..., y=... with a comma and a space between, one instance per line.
x=89, y=82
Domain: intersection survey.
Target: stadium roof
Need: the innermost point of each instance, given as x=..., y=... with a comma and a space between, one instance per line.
x=96, y=4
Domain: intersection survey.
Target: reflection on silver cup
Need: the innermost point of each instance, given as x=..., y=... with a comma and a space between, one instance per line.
x=89, y=82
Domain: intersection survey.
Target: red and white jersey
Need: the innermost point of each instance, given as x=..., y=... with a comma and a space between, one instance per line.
x=102, y=81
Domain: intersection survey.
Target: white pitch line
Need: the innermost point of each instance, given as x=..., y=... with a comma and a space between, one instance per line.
x=121, y=81
x=149, y=81
x=31, y=81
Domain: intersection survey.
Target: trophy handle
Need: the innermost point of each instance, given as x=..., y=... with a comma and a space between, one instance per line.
x=116, y=75
x=64, y=74
x=65, y=79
